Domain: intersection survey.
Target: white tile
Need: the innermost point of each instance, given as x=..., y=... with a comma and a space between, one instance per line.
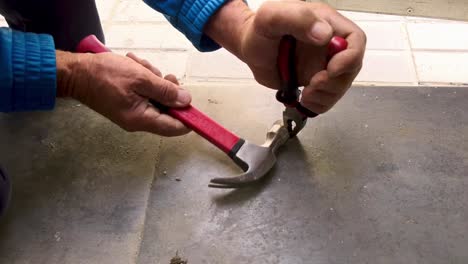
x=218, y=64
x=364, y=16
x=105, y=8
x=444, y=67
x=3, y=22
x=440, y=36
x=255, y=4
x=146, y=36
x=379, y=66
x=387, y=67
x=137, y=10
x=167, y=62
x=389, y=35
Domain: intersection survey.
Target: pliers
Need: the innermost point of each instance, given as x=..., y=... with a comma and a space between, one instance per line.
x=295, y=114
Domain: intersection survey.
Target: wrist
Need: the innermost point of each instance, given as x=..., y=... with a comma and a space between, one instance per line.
x=67, y=68
x=228, y=25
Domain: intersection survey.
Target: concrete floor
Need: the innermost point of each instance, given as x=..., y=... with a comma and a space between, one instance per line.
x=382, y=178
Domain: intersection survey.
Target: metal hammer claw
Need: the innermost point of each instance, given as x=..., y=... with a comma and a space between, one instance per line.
x=255, y=160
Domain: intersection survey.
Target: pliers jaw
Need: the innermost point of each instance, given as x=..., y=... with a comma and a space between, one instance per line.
x=294, y=121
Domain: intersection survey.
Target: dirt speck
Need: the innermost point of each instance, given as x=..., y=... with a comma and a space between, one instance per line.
x=57, y=236
x=178, y=260
x=178, y=179
x=51, y=145
x=213, y=101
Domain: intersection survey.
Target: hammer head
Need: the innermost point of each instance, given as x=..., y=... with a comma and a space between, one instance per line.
x=256, y=161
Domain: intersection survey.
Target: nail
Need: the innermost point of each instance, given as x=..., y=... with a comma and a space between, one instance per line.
x=321, y=31
x=183, y=97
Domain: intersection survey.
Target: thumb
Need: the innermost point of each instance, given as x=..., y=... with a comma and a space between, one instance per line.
x=276, y=19
x=164, y=91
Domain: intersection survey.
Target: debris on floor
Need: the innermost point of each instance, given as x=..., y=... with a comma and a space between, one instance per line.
x=212, y=101
x=178, y=260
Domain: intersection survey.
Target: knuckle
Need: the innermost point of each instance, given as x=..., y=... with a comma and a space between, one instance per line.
x=145, y=63
x=127, y=122
x=167, y=91
x=266, y=15
x=361, y=35
x=323, y=6
x=140, y=79
x=263, y=81
x=265, y=9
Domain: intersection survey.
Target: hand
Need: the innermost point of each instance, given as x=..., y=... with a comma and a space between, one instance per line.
x=118, y=87
x=255, y=37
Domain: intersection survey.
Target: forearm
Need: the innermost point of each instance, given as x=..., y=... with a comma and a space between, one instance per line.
x=226, y=26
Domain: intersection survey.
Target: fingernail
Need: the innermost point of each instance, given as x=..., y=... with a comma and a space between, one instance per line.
x=183, y=97
x=321, y=31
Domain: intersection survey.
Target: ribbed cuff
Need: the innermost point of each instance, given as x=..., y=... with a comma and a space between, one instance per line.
x=34, y=72
x=6, y=82
x=193, y=16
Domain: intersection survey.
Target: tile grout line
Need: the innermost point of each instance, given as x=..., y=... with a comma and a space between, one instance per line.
x=188, y=69
x=139, y=237
x=108, y=21
x=145, y=212
x=413, y=59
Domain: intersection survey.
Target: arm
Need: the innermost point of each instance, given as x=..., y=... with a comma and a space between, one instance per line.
x=33, y=73
x=190, y=18
x=28, y=75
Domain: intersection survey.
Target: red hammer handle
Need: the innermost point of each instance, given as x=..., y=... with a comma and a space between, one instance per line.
x=189, y=116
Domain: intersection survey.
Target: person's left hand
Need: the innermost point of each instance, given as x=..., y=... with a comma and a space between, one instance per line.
x=257, y=39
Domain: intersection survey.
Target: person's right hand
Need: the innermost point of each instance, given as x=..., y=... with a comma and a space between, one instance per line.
x=118, y=87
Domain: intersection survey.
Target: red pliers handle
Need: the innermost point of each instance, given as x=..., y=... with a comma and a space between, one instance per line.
x=288, y=94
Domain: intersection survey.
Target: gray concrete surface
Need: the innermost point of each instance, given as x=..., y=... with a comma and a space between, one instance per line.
x=379, y=179
x=80, y=187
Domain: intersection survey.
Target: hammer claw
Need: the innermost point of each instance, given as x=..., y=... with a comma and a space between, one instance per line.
x=255, y=160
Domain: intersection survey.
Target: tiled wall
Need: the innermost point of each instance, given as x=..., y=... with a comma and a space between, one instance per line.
x=400, y=50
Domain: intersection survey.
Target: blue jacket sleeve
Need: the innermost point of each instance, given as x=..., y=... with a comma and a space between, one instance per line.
x=27, y=71
x=190, y=17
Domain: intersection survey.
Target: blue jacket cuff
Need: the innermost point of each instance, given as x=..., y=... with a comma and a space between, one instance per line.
x=190, y=18
x=193, y=18
x=31, y=72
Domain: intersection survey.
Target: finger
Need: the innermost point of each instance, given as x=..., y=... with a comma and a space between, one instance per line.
x=163, y=91
x=309, y=94
x=268, y=78
x=315, y=96
x=349, y=60
x=276, y=19
x=171, y=78
x=145, y=63
x=321, y=95
x=154, y=122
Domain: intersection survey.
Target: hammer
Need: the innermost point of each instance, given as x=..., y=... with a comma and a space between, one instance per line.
x=253, y=159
